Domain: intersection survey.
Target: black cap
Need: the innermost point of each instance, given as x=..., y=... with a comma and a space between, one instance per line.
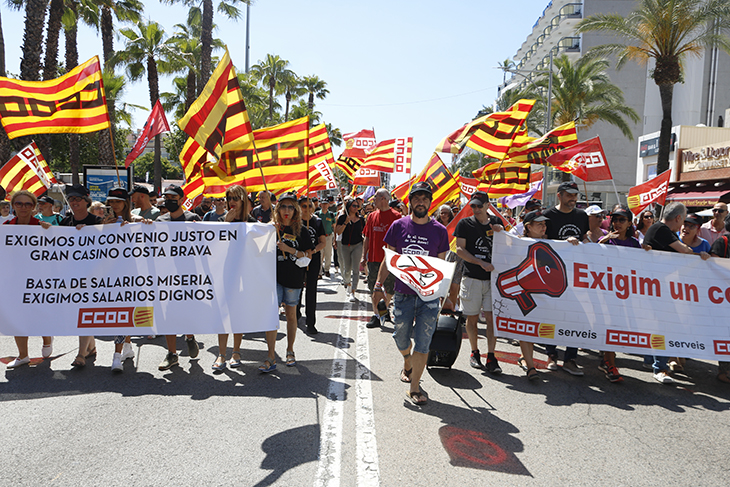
x=117, y=193
x=290, y=195
x=623, y=212
x=422, y=187
x=569, y=187
x=315, y=199
x=329, y=199
x=533, y=204
x=534, y=216
x=694, y=218
x=303, y=199
x=394, y=204
x=76, y=190
x=46, y=199
x=479, y=198
x=173, y=190
x=140, y=189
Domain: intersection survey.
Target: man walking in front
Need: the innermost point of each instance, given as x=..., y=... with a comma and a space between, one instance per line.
x=415, y=234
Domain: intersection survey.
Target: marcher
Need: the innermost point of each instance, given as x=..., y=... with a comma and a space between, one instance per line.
x=646, y=219
x=565, y=222
x=350, y=225
x=595, y=219
x=414, y=318
x=204, y=206
x=218, y=213
x=174, y=195
x=314, y=226
x=5, y=214
x=45, y=211
x=376, y=226
x=292, y=256
x=97, y=208
x=721, y=248
x=23, y=203
x=714, y=228
x=262, y=212
x=142, y=205
x=328, y=218
x=445, y=215
x=474, y=245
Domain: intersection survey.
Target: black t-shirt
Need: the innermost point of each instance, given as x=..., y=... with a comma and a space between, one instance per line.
x=316, y=230
x=70, y=221
x=261, y=215
x=478, y=243
x=561, y=225
x=720, y=247
x=187, y=216
x=352, y=234
x=288, y=273
x=660, y=237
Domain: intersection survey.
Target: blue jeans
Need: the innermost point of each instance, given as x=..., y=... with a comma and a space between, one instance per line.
x=414, y=318
x=659, y=363
x=570, y=352
x=287, y=295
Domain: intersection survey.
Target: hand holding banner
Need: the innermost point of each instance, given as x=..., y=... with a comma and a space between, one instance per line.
x=429, y=277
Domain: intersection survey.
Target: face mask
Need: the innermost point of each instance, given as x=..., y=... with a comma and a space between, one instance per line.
x=172, y=205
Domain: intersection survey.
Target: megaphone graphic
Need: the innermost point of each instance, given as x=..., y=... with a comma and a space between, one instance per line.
x=542, y=272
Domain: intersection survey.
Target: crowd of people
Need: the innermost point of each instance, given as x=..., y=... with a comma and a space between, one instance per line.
x=350, y=233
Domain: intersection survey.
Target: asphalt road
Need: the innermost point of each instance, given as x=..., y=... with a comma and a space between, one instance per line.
x=340, y=417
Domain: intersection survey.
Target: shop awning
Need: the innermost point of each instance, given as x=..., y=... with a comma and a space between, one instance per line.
x=698, y=198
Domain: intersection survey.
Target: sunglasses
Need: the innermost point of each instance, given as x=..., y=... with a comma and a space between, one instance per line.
x=620, y=220
x=233, y=198
x=19, y=204
x=74, y=199
x=647, y=217
x=474, y=205
x=287, y=207
x=718, y=210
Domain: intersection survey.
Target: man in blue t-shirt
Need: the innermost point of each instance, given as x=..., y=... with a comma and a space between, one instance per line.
x=415, y=234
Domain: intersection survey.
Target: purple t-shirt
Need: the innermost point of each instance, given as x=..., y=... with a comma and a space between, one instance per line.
x=629, y=242
x=410, y=238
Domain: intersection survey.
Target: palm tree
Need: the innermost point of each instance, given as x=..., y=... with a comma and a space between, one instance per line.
x=335, y=134
x=665, y=31
x=147, y=52
x=72, y=59
x=270, y=72
x=316, y=88
x=35, y=16
x=582, y=91
x=291, y=85
x=257, y=100
x=301, y=109
x=506, y=66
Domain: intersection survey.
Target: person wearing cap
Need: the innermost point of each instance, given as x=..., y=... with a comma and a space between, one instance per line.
x=328, y=218
x=566, y=222
x=414, y=318
x=532, y=205
x=45, y=211
x=376, y=226
x=262, y=212
x=314, y=227
x=474, y=245
x=293, y=250
x=595, y=218
x=315, y=203
x=715, y=228
x=174, y=196
x=350, y=225
x=142, y=205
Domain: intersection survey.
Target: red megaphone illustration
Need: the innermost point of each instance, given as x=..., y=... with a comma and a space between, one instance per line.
x=542, y=272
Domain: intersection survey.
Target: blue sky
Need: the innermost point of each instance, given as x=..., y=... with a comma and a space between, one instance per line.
x=403, y=67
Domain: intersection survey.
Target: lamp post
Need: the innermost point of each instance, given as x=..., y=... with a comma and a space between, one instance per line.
x=248, y=19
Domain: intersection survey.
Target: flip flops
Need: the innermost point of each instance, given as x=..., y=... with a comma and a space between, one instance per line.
x=533, y=377
x=417, y=398
x=405, y=375
x=522, y=363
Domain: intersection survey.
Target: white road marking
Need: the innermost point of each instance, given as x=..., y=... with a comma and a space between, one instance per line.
x=368, y=473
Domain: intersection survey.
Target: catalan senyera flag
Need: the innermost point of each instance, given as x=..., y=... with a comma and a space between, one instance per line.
x=218, y=119
x=505, y=177
x=465, y=212
x=456, y=140
x=537, y=150
x=443, y=185
x=27, y=170
x=321, y=176
x=495, y=135
x=74, y=103
x=348, y=165
x=400, y=192
x=357, y=144
x=392, y=155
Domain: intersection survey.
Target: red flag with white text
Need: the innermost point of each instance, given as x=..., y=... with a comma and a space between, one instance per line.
x=652, y=191
x=156, y=124
x=585, y=160
x=357, y=144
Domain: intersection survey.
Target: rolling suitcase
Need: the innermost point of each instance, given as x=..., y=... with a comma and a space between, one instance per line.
x=446, y=340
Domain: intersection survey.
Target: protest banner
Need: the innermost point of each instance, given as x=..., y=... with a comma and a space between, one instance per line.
x=604, y=297
x=429, y=277
x=137, y=279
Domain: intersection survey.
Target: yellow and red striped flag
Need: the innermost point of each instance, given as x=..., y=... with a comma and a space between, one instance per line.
x=495, y=135
x=392, y=155
x=218, y=120
x=321, y=159
x=74, y=103
x=506, y=177
x=443, y=185
x=27, y=170
x=348, y=165
x=400, y=192
x=537, y=150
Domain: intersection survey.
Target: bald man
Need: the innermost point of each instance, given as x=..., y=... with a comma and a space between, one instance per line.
x=713, y=229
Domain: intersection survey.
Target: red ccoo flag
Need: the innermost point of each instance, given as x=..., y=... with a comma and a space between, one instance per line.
x=155, y=124
x=357, y=144
x=652, y=191
x=585, y=160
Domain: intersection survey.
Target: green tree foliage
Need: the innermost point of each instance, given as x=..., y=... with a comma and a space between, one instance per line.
x=146, y=163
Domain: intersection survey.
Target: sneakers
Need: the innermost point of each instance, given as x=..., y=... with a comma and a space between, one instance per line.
x=374, y=322
x=613, y=374
x=663, y=377
x=17, y=362
x=47, y=350
x=475, y=360
x=117, y=363
x=552, y=363
x=352, y=298
x=170, y=360
x=493, y=365
x=572, y=368
x=193, y=348
x=127, y=351
x=604, y=366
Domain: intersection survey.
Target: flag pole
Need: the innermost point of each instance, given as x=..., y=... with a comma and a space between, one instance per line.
x=114, y=154
x=585, y=189
x=261, y=169
x=615, y=191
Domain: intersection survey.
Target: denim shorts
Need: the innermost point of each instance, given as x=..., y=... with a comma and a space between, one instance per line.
x=414, y=318
x=287, y=295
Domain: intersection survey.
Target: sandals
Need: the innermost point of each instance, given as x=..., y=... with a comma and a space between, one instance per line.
x=235, y=362
x=533, y=377
x=79, y=362
x=268, y=366
x=219, y=366
x=417, y=398
x=405, y=375
x=291, y=361
x=91, y=354
x=523, y=364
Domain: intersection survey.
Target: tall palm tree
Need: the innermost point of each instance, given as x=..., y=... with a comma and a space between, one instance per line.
x=335, y=135
x=70, y=26
x=147, y=52
x=291, y=84
x=271, y=72
x=316, y=88
x=665, y=31
x=506, y=66
x=35, y=17
x=257, y=100
x=582, y=91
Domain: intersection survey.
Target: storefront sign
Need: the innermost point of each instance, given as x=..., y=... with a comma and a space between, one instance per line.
x=703, y=158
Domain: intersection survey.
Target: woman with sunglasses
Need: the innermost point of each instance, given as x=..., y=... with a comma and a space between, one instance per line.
x=294, y=249
x=239, y=210
x=23, y=203
x=621, y=232
x=646, y=219
x=350, y=225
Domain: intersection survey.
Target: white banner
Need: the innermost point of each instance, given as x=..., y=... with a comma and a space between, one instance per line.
x=430, y=277
x=604, y=297
x=164, y=278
